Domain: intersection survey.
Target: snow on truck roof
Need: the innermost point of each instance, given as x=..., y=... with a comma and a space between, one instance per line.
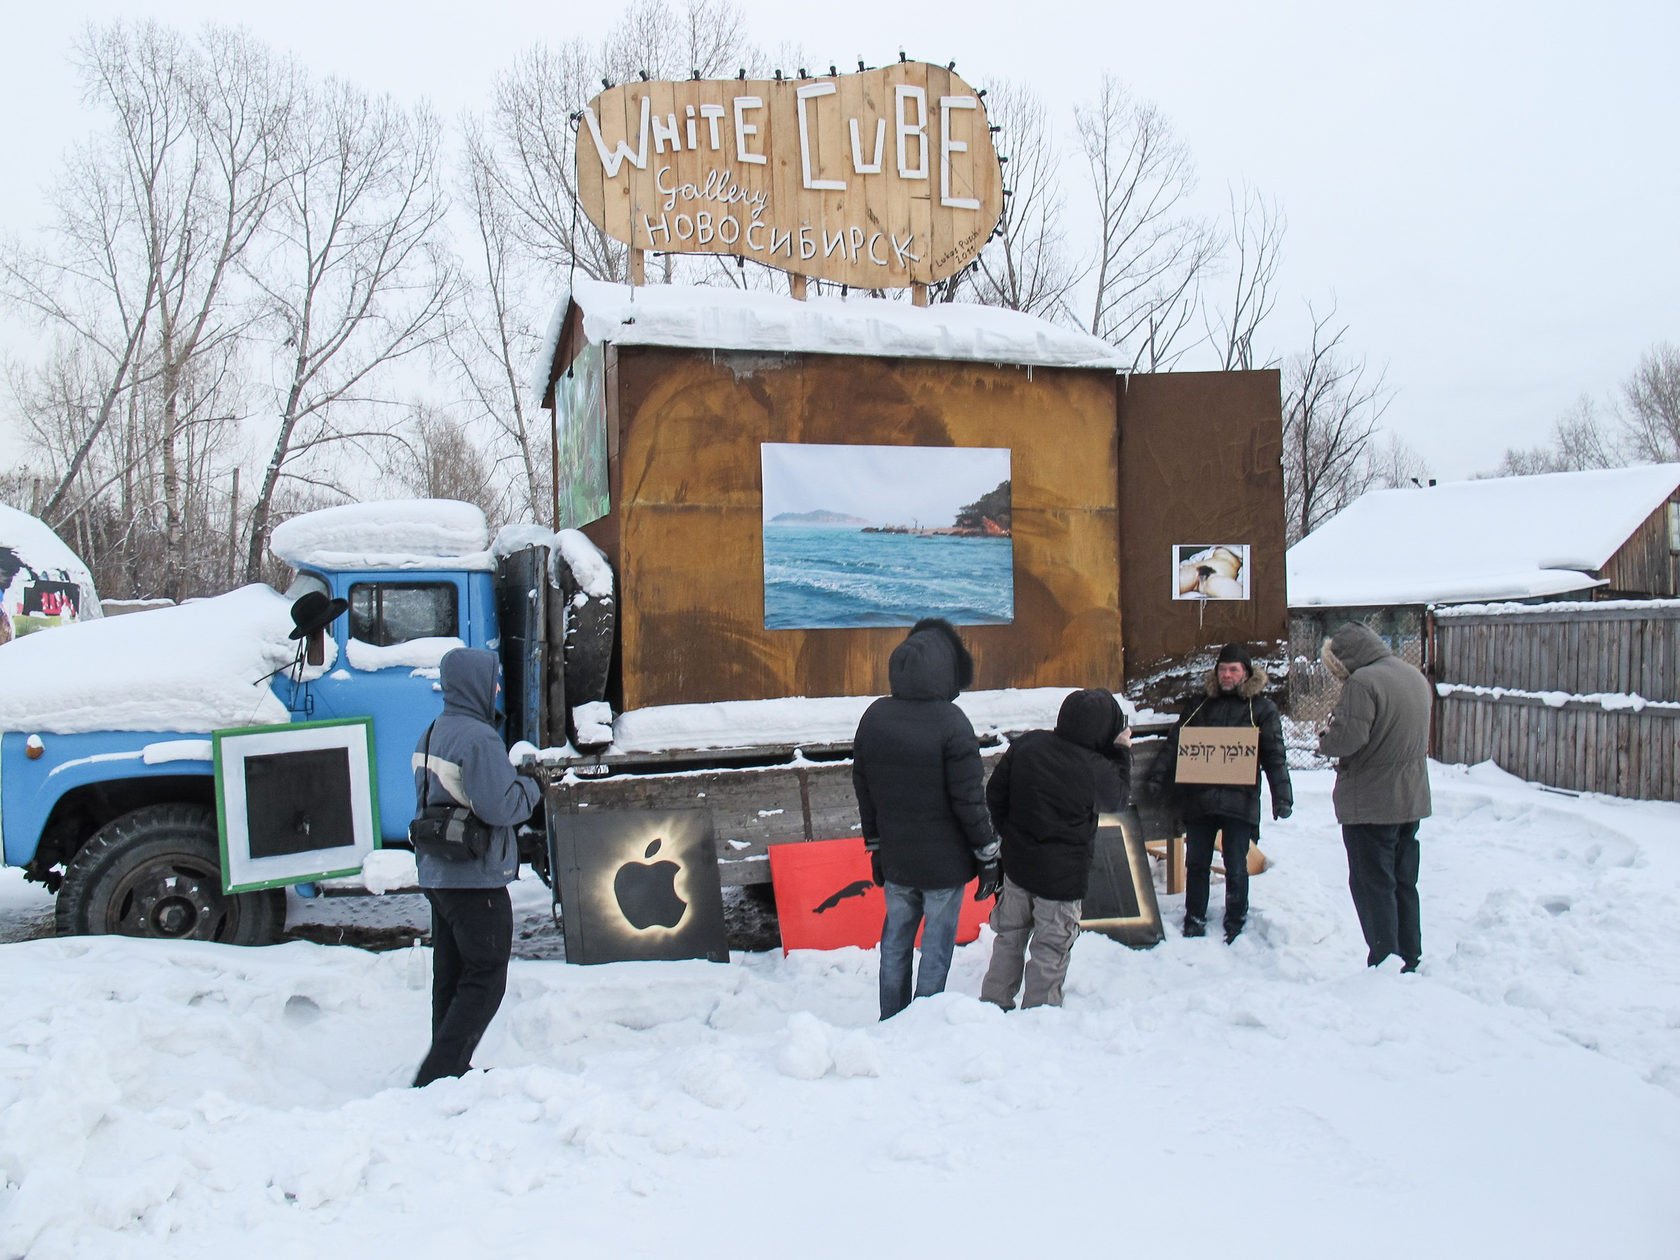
x=389, y=534
x=33, y=545
x=700, y=317
x=1476, y=541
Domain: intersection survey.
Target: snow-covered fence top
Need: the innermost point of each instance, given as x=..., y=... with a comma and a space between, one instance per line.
x=1623, y=647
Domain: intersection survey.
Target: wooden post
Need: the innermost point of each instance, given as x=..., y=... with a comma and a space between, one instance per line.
x=796, y=285
x=1175, y=866
x=918, y=295
x=638, y=267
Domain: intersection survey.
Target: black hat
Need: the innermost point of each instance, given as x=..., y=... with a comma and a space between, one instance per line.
x=1237, y=652
x=314, y=611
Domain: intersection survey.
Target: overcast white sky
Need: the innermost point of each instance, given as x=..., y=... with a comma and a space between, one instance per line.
x=1489, y=192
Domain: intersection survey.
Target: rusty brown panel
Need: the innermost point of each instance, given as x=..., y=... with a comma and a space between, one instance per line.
x=687, y=499
x=1200, y=461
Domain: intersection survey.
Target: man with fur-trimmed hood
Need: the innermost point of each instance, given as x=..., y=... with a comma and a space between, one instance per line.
x=921, y=798
x=1231, y=697
x=1379, y=734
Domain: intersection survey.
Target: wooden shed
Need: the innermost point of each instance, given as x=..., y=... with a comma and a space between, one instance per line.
x=1109, y=474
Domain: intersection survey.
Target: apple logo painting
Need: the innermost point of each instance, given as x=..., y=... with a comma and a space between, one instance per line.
x=647, y=892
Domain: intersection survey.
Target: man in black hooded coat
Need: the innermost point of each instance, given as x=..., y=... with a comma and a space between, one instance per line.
x=1045, y=795
x=1231, y=697
x=921, y=798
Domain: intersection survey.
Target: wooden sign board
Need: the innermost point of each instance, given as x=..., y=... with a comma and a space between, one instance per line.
x=1218, y=754
x=880, y=179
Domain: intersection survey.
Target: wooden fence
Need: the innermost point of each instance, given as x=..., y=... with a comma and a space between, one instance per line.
x=1578, y=696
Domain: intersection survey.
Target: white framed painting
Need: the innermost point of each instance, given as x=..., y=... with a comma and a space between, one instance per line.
x=295, y=803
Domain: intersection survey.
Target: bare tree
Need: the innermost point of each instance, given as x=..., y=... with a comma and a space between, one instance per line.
x=440, y=460
x=1580, y=439
x=1396, y=464
x=1332, y=407
x=1650, y=406
x=353, y=280
x=1151, y=252
x=1027, y=266
x=533, y=122
x=495, y=337
x=1257, y=228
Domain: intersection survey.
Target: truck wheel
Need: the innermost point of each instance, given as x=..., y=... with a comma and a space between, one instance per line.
x=157, y=872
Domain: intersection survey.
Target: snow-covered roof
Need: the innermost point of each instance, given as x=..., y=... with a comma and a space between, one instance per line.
x=39, y=553
x=196, y=667
x=1476, y=541
x=388, y=534
x=700, y=317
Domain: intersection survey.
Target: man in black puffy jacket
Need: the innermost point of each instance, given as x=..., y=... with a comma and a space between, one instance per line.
x=1045, y=796
x=920, y=790
x=1231, y=697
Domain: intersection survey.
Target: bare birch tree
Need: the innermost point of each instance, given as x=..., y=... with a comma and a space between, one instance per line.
x=1256, y=237
x=354, y=280
x=1027, y=266
x=1152, y=252
x=1332, y=407
x=1650, y=406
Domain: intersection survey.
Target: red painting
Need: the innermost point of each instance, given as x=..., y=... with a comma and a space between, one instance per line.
x=826, y=900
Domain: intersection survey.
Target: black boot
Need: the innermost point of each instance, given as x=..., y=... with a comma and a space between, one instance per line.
x=1194, y=926
x=1232, y=930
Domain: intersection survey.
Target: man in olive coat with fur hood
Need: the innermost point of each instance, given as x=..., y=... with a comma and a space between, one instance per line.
x=1379, y=733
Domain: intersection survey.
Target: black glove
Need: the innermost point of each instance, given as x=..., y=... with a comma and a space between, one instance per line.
x=875, y=872
x=1281, y=811
x=991, y=879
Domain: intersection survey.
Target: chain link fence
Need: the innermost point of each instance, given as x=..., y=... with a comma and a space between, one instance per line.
x=1313, y=688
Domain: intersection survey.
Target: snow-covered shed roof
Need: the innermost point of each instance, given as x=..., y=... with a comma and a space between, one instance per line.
x=1475, y=541
x=701, y=317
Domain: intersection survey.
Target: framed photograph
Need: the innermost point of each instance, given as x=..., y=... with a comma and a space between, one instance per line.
x=295, y=803
x=886, y=535
x=1210, y=571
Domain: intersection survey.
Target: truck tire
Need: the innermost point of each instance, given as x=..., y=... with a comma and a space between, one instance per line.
x=157, y=873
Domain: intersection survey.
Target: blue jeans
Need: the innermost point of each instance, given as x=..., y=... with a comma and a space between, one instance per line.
x=906, y=909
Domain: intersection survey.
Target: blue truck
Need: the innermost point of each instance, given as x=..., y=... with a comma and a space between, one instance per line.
x=107, y=790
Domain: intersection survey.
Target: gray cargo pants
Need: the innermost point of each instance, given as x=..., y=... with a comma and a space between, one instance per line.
x=1051, y=927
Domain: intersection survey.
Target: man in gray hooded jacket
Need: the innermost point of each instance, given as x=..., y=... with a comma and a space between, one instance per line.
x=1379, y=733
x=461, y=760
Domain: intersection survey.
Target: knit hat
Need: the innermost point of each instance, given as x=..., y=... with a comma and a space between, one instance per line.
x=1237, y=652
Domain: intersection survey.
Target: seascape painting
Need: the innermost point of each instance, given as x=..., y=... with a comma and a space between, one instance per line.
x=886, y=535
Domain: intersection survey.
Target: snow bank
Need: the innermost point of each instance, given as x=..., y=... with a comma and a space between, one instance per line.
x=197, y=667
x=389, y=534
x=699, y=317
x=1504, y=538
x=1519, y=1097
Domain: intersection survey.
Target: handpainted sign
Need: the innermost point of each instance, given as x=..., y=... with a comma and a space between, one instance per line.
x=1218, y=754
x=879, y=179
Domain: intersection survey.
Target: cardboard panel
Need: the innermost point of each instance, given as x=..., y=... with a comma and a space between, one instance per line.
x=637, y=885
x=825, y=898
x=1218, y=754
x=1200, y=459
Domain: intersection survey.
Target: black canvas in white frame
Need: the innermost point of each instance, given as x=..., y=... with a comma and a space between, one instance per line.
x=295, y=803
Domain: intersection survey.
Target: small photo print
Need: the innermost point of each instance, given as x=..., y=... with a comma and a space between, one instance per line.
x=1210, y=571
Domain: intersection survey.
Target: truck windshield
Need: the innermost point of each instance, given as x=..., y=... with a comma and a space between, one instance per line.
x=394, y=612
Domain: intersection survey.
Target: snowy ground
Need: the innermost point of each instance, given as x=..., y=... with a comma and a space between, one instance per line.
x=1519, y=1097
